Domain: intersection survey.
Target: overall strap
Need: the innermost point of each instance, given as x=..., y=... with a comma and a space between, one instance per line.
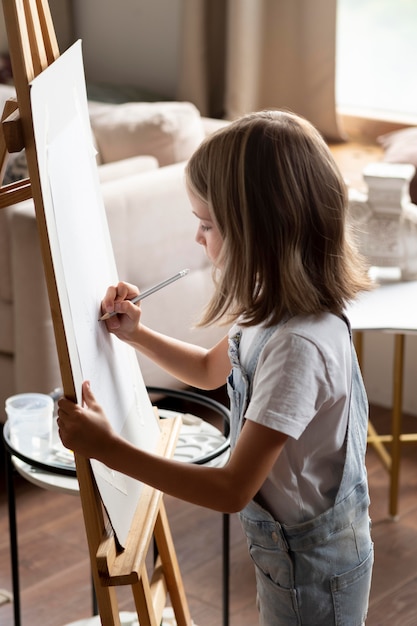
x=255, y=351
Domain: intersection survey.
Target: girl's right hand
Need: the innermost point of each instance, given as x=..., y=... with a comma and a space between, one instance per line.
x=117, y=299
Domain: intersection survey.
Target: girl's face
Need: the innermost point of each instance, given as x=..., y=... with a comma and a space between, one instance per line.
x=208, y=234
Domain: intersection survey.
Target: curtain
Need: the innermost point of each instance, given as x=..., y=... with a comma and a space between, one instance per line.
x=239, y=56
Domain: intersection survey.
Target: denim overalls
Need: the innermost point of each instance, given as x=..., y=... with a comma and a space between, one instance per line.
x=317, y=573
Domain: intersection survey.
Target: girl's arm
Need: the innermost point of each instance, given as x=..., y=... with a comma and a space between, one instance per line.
x=195, y=366
x=227, y=489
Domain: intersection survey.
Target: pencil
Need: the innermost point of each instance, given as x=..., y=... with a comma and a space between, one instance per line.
x=148, y=292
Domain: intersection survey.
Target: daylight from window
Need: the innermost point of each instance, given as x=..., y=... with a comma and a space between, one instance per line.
x=376, y=71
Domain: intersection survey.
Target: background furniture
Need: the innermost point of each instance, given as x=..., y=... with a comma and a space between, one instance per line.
x=152, y=230
x=392, y=308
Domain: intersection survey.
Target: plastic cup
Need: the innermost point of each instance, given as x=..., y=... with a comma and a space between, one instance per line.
x=30, y=422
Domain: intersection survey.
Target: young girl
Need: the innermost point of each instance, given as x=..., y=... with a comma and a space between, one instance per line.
x=271, y=206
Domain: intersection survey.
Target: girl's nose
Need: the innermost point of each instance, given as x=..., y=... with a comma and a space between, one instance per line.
x=199, y=237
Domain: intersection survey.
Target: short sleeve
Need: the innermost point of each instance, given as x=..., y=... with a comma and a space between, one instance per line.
x=290, y=385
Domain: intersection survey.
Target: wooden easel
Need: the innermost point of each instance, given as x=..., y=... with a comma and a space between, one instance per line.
x=33, y=47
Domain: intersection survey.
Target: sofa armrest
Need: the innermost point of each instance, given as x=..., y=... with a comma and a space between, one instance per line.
x=153, y=235
x=36, y=361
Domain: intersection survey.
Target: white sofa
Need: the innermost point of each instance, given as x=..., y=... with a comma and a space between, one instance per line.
x=153, y=235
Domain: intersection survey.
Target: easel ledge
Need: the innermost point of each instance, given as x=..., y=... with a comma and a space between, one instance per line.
x=128, y=567
x=123, y=567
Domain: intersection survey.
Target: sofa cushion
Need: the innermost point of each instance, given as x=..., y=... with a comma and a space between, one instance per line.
x=126, y=167
x=400, y=146
x=152, y=226
x=169, y=131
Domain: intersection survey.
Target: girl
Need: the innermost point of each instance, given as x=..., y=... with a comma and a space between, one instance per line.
x=271, y=206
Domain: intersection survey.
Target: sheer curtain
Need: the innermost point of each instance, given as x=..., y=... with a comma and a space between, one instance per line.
x=245, y=55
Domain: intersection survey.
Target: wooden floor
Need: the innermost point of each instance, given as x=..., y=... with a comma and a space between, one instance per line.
x=54, y=568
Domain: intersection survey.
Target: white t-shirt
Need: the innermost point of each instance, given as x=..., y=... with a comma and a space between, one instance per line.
x=301, y=387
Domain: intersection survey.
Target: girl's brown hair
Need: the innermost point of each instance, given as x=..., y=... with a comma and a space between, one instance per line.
x=280, y=203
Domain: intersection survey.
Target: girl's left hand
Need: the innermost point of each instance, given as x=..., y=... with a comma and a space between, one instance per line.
x=84, y=429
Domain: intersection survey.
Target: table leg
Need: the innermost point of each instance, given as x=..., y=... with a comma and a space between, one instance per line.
x=226, y=567
x=13, y=537
x=392, y=458
x=358, y=343
x=397, y=403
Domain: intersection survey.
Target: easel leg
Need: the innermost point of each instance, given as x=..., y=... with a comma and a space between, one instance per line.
x=107, y=604
x=171, y=569
x=106, y=599
x=93, y=597
x=144, y=601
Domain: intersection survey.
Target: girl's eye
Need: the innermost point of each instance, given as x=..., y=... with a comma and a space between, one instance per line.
x=205, y=228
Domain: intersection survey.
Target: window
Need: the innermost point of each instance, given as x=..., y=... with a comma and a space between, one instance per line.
x=376, y=62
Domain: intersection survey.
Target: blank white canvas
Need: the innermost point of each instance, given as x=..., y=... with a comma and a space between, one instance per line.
x=84, y=267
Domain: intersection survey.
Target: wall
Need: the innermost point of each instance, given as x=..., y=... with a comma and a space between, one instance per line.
x=130, y=42
x=136, y=44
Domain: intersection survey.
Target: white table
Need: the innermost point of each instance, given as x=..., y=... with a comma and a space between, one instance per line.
x=199, y=442
x=391, y=307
